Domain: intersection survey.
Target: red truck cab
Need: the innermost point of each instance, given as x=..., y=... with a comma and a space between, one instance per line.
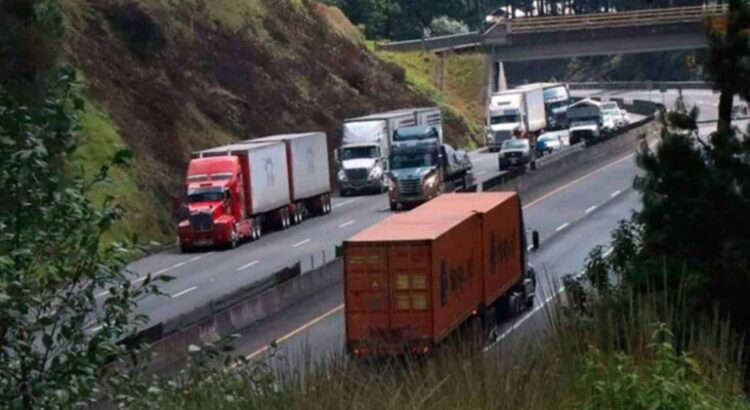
x=214, y=201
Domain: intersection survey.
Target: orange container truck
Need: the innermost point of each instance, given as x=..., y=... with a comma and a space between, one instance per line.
x=415, y=278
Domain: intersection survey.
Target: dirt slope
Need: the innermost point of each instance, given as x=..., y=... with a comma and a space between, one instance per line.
x=165, y=78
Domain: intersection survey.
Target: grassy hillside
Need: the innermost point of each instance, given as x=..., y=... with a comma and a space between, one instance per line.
x=164, y=78
x=457, y=82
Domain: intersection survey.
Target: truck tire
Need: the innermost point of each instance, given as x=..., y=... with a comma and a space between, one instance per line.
x=233, y=239
x=285, y=218
x=185, y=249
x=327, y=208
x=255, y=231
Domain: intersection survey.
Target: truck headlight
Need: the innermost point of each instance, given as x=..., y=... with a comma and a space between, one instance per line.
x=391, y=184
x=342, y=175
x=431, y=181
x=376, y=173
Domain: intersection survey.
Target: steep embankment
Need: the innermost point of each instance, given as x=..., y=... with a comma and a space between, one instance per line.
x=165, y=78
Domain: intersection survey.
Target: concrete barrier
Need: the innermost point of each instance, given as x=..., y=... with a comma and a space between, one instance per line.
x=641, y=85
x=172, y=349
x=221, y=318
x=552, y=172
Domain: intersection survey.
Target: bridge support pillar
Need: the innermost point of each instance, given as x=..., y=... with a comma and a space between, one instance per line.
x=495, y=70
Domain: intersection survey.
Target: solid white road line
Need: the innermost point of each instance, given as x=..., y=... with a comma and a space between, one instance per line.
x=179, y=265
x=249, y=265
x=561, y=227
x=298, y=244
x=345, y=224
x=592, y=209
x=184, y=292
x=616, y=193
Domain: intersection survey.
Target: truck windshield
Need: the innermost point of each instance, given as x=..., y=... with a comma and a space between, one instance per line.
x=416, y=159
x=558, y=105
x=359, y=152
x=504, y=119
x=206, y=195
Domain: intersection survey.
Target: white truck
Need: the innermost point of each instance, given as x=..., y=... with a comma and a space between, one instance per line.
x=366, y=144
x=585, y=121
x=515, y=113
x=309, y=176
x=556, y=102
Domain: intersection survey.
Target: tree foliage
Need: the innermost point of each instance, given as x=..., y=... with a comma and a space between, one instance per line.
x=59, y=342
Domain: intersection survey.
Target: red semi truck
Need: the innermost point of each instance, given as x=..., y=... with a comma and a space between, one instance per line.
x=415, y=278
x=233, y=192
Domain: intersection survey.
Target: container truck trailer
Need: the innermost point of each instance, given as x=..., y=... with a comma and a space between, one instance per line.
x=308, y=171
x=234, y=192
x=416, y=278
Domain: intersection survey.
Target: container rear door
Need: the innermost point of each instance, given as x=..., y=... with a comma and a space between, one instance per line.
x=411, y=317
x=366, y=291
x=269, y=175
x=309, y=166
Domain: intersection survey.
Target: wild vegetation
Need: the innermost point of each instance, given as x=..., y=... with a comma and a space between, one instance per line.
x=655, y=325
x=166, y=78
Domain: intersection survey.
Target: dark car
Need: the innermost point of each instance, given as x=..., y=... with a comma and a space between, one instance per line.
x=515, y=152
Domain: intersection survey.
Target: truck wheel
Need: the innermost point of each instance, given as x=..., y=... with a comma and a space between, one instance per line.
x=185, y=249
x=255, y=231
x=285, y=218
x=233, y=239
x=299, y=214
x=327, y=204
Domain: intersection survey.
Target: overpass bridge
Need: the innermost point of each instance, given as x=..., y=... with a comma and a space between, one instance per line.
x=539, y=38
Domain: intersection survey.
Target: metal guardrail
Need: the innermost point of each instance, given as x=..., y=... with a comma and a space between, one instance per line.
x=456, y=41
x=640, y=85
x=617, y=19
x=591, y=21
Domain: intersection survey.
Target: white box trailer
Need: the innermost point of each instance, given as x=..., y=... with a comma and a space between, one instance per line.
x=377, y=128
x=265, y=173
x=309, y=175
x=433, y=117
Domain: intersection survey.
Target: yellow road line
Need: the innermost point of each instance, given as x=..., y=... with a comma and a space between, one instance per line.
x=341, y=306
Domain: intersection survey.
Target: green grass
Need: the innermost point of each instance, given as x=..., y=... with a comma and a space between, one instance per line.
x=99, y=142
x=628, y=352
x=459, y=89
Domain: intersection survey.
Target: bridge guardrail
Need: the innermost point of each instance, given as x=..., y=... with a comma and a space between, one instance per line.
x=694, y=14
x=530, y=25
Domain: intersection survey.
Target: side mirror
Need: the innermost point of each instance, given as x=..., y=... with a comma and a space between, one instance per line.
x=535, y=240
x=337, y=155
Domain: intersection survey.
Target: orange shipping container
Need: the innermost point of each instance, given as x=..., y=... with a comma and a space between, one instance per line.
x=410, y=281
x=504, y=239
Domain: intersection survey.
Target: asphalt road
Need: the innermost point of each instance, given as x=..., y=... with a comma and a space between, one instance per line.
x=572, y=220
x=202, y=277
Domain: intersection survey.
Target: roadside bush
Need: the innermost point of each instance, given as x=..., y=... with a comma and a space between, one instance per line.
x=66, y=299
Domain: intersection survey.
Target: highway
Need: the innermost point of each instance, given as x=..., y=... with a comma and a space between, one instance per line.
x=202, y=277
x=572, y=219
